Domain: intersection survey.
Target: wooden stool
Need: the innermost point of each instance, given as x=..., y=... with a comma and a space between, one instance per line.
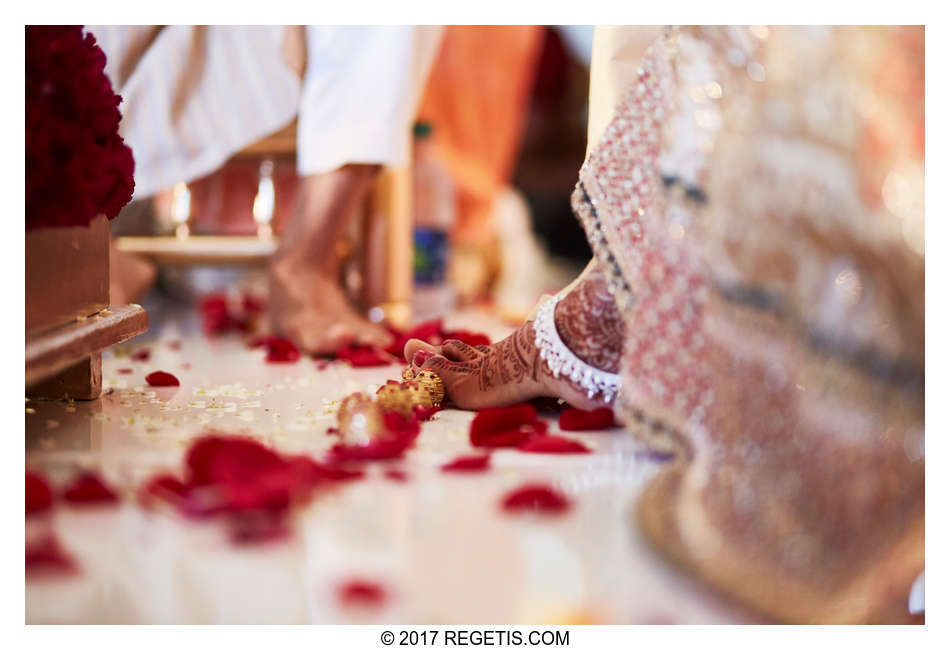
x=68, y=317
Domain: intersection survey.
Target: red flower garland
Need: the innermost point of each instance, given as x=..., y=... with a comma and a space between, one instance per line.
x=77, y=165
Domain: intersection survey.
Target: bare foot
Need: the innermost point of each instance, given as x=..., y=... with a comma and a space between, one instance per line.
x=308, y=307
x=512, y=370
x=306, y=302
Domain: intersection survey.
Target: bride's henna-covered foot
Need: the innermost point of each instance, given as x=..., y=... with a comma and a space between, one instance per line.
x=512, y=370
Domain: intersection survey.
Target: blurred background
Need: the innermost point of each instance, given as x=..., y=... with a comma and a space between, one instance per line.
x=498, y=139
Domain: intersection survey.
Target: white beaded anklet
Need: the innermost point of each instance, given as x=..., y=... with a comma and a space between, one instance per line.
x=563, y=362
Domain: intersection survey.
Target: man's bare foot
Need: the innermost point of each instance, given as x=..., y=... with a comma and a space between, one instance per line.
x=512, y=370
x=309, y=307
x=306, y=302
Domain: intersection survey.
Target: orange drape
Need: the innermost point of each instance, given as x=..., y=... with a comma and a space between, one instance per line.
x=476, y=99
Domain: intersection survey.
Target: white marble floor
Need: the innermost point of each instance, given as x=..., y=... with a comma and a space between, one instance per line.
x=439, y=543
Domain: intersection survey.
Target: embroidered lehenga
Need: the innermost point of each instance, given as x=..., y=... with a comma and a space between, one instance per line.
x=756, y=202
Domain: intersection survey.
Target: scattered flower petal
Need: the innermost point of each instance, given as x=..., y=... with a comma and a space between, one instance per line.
x=467, y=464
x=161, y=378
x=465, y=336
x=425, y=413
x=39, y=496
x=125, y=371
x=400, y=433
x=89, y=488
x=433, y=333
x=248, y=484
x=220, y=315
x=47, y=555
x=360, y=592
x=578, y=420
x=164, y=487
x=141, y=355
x=550, y=444
x=397, y=475
x=535, y=497
x=257, y=526
x=278, y=350
x=365, y=356
x=507, y=426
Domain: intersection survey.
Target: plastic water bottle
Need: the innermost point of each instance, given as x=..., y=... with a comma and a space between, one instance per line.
x=433, y=201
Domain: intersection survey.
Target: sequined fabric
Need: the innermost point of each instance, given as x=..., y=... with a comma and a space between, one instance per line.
x=771, y=277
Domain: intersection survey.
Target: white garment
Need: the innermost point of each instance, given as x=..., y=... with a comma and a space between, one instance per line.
x=194, y=96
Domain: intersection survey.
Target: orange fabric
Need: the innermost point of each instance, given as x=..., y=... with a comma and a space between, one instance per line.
x=476, y=100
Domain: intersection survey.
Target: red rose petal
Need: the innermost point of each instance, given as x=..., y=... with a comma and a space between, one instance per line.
x=220, y=315
x=535, y=497
x=249, y=485
x=433, y=333
x=425, y=413
x=278, y=350
x=471, y=338
x=141, y=355
x=252, y=304
x=400, y=434
x=504, y=418
x=365, y=356
x=125, y=371
x=312, y=472
x=507, y=426
x=215, y=459
x=161, y=378
x=89, y=488
x=396, y=475
x=429, y=331
x=46, y=554
x=467, y=464
x=578, y=420
x=164, y=487
x=39, y=496
x=549, y=444
x=257, y=526
x=359, y=592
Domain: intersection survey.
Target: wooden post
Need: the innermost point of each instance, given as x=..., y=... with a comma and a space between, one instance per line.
x=387, y=267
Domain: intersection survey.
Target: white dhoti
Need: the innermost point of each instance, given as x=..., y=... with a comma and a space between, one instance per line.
x=194, y=96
